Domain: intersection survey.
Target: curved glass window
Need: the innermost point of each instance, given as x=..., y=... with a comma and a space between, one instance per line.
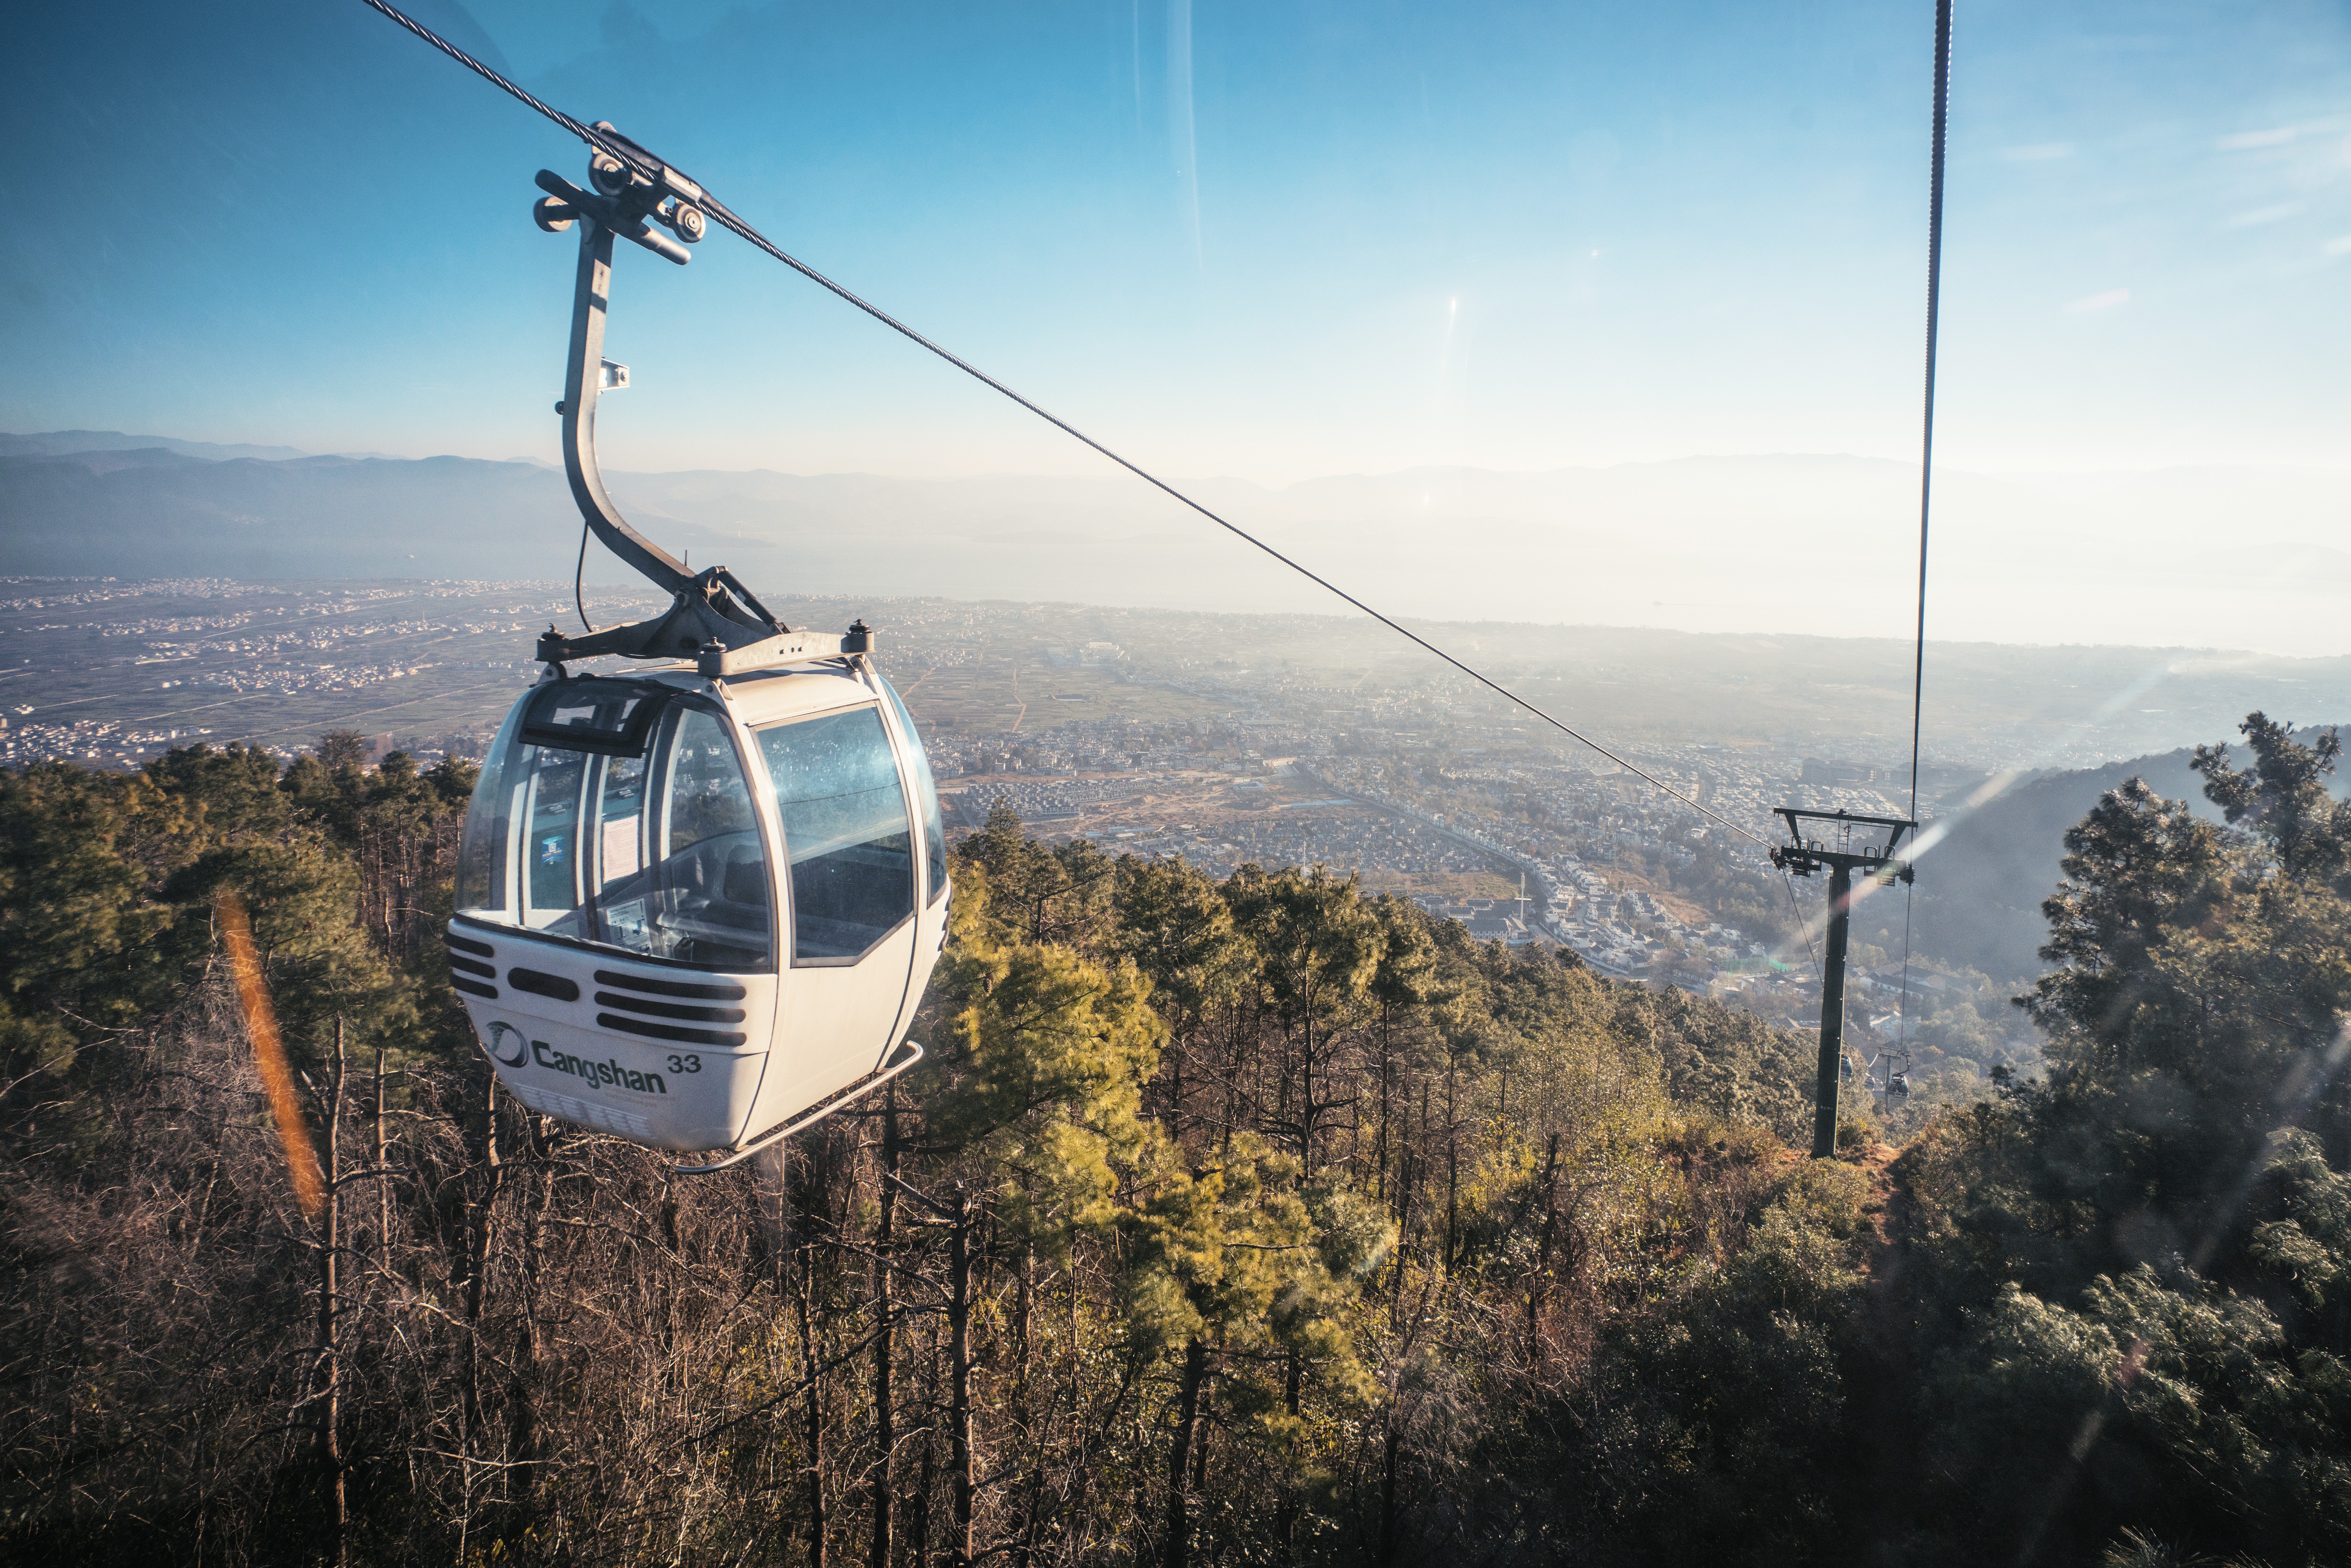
x=926, y=794
x=618, y=812
x=846, y=833
x=484, y=866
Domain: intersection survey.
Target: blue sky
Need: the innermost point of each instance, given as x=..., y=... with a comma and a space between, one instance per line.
x=1269, y=240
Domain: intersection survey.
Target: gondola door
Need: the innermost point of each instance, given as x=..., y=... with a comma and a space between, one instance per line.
x=852, y=892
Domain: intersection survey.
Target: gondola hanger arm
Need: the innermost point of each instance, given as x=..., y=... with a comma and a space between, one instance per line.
x=713, y=618
x=585, y=379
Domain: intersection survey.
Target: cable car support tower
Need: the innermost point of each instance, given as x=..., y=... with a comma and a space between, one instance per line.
x=1820, y=840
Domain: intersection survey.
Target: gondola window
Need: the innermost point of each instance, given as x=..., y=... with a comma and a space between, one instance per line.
x=846, y=832
x=621, y=821
x=926, y=791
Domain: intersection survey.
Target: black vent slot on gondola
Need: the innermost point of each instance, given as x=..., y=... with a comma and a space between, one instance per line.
x=669, y=1010
x=715, y=993
x=468, y=945
x=667, y=1031
x=539, y=985
x=472, y=967
x=475, y=988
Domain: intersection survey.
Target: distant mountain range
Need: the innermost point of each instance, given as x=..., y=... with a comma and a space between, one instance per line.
x=66, y=443
x=72, y=442
x=1824, y=545
x=155, y=512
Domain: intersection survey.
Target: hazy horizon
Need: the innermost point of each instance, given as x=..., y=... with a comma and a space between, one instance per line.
x=1784, y=544
x=252, y=444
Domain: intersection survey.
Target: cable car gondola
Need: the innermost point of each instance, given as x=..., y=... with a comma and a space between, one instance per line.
x=697, y=905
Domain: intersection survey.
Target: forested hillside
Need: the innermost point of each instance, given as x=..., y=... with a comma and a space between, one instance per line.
x=1244, y=1222
x=1981, y=909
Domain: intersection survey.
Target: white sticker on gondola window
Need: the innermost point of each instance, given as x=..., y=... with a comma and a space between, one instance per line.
x=619, y=848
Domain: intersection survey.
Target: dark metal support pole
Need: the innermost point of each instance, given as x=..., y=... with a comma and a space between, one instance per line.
x=1804, y=855
x=582, y=383
x=1825, y=1107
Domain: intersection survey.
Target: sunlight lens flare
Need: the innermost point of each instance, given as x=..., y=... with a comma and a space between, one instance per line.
x=269, y=1051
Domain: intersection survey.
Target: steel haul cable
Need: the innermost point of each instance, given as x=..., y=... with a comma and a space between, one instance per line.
x=1927, y=452
x=720, y=215
x=1803, y=928
x=1934, y=305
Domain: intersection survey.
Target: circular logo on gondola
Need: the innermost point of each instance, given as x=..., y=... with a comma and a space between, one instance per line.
x=508, y=1044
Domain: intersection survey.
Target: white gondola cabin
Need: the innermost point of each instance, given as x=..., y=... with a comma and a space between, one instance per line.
x=696, y=906
x=691, y=909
